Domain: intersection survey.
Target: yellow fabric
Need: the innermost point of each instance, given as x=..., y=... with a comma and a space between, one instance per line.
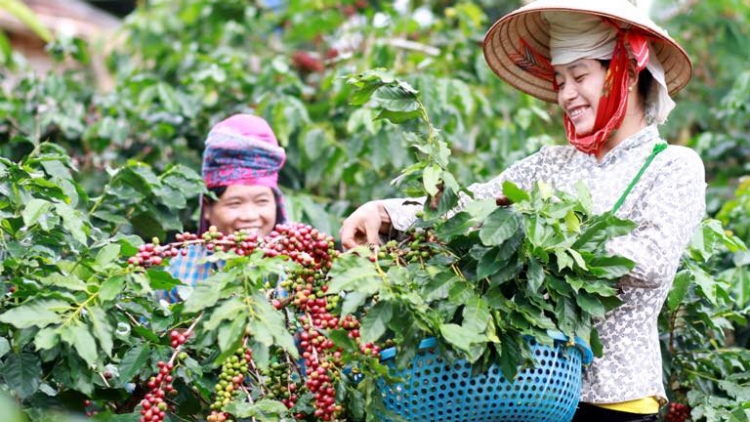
x=644, y=406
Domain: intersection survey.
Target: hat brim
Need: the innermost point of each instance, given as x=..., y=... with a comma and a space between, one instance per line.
x=503, y=44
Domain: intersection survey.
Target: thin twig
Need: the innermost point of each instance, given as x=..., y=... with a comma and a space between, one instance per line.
x=104, y=379
x=701, y=375
x=130, y=317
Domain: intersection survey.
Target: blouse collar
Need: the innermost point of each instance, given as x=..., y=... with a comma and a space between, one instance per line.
x=646, y=136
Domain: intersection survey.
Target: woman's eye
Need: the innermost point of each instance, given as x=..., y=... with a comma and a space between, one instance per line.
x=579, y=78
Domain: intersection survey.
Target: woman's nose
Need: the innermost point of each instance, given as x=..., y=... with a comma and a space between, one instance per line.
x=249, y=213
x=568, y=92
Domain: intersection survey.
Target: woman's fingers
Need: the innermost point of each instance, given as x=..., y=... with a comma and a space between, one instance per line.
x=362, y=227
x=349, y=233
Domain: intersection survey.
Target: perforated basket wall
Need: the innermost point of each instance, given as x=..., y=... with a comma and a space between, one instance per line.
x=436, y=390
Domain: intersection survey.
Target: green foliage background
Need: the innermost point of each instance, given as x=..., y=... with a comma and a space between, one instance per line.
x=128, y=159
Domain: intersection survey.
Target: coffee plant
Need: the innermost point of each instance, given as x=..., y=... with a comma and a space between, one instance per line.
x=285, y=325
x=83, y=331
x=705, y=371
x=269, y=334
x=73, y=330
x=490, y=274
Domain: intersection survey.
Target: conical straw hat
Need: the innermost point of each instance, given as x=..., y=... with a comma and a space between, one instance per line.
x=516, y=63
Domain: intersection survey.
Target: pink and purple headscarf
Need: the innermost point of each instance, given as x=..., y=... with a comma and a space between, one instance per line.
x=243, y=150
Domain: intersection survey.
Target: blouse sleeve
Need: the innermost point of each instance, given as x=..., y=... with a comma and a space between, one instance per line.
x=523, y=172
x=666, y=214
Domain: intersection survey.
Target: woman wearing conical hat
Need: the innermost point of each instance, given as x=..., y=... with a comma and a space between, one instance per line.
x=613, y=72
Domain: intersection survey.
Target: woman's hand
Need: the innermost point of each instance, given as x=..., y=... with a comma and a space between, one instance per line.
x=364, y=225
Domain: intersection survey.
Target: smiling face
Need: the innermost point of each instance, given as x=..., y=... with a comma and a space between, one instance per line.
x=579, y=89
x=243, y=207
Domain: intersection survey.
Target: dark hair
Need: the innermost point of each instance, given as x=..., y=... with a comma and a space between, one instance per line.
x=219, y=191
x=645, y=80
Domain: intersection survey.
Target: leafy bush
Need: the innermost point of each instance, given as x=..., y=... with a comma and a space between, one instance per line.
x=702, y=366
x=107, y=178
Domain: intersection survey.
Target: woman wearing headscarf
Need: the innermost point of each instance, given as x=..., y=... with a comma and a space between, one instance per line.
x=612, y=71
x=241, y=164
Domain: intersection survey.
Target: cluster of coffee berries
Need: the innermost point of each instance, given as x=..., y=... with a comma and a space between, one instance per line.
x=87, y=405
x=317, y=353
x=307, y=62
x=177, y=339
x=307, y=289
x=300, y=242
x=242, y=242
x=148, y=256
x=231, y=379
x=154, y=405
x=303, y=244
x=351, y=325
x=306, y=286
x=153, y=254
x=678, y=412
x=304, y=291
x=281, y=385
x=322, y=361
x=419, y=245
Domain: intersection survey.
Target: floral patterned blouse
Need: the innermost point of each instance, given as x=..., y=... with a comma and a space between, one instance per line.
x=667, y=203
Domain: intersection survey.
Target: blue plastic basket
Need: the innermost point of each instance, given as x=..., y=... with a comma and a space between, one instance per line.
x=436, y=390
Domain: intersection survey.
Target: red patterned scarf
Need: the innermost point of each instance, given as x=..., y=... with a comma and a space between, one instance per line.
x=614, y=99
